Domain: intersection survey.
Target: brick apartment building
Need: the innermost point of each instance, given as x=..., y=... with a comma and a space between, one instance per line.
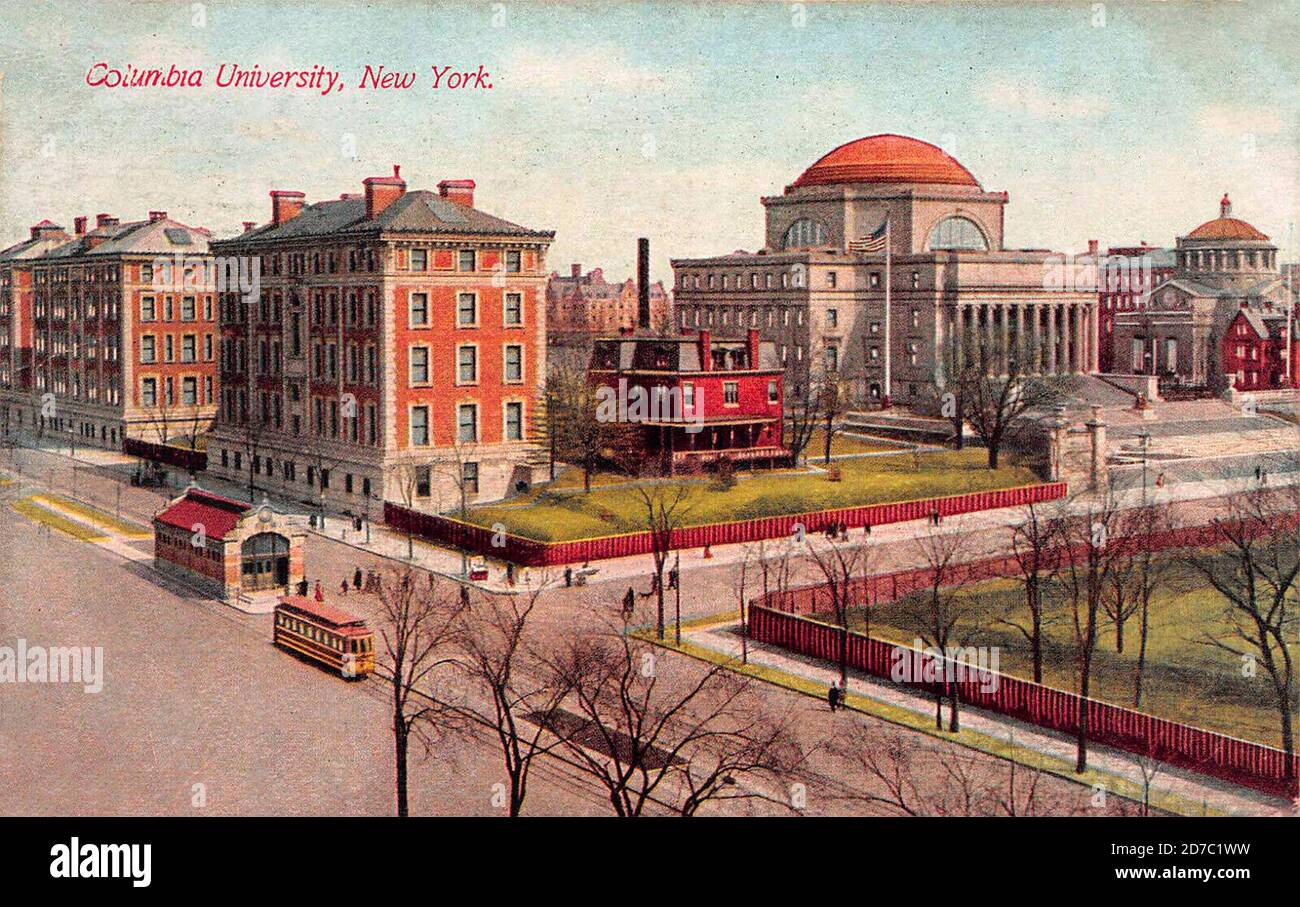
x=705, y=399
x=111, y=332
x=581, y=307
x=1126, y=275
x=1257, y=347
x=395, y=352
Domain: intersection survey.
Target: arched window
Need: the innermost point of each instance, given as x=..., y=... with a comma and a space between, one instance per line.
x=957, y=233
x=803, y=233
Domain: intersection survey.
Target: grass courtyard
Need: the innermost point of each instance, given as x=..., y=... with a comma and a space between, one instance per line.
x=563, y=512
x=1184, y=679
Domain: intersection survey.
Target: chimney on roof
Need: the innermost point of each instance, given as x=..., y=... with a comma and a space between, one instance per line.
x=155, y=216
x=46, y=228
x=459, y=191
x=752, y=337
x=382, y=191
x=105, y=220
x=643, y=283
x=706, y=350
x=575, y=270
x=1225, y=206
x=286, y=204
x=79, y=225
x=1092, y=247
x=249, y=225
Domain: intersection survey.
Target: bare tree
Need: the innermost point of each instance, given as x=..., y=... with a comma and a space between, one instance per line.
x=939, y=614
x=837, y=401
x=1254, y=568
x=683, y=742
x=1093, y=548
x=523, y=695
x=803, y=408
x=418, y=624
x=665, y=506
x=1036, y=548
x=1138, y=572
x=995, y=394
x=842, y=565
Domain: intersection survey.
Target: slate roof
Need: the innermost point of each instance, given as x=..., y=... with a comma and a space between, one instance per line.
x=420, y=211
x=142, y=237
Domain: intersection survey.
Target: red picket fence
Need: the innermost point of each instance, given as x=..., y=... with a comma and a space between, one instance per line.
x=881, y=588
x=1239, y=761
x=181, y=457
x=531, y=553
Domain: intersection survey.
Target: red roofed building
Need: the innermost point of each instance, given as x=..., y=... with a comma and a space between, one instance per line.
x=229, y=547
x=1256, y=346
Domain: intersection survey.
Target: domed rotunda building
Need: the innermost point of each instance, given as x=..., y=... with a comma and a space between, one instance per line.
x=889, y=221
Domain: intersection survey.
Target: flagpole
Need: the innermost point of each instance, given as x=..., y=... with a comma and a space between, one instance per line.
x=888, y=389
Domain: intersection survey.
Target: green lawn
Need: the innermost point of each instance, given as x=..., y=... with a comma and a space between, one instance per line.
x=847, y=444
x=560, y=515
x=1184, y=680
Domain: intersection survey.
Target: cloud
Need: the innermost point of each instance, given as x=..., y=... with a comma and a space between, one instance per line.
x=592, y=68
x=1033, y=100
x=1234, y=121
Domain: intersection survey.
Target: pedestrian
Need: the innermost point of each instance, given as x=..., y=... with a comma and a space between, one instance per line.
x=833, y=696
x=1259, y=473
x=844, y=531
x=510, y=574
x=320, y=593
x=672, y=578
x=343, y=587
x=629, y=603
x=568, y=577
x=866, y=529
x=356, y=579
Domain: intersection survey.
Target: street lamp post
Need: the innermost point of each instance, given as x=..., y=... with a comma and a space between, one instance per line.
x=1144, y=441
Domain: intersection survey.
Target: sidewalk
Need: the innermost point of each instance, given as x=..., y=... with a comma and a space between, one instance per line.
x=1172, y=788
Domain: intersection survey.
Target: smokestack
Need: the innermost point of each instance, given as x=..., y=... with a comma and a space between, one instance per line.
x=643, y=283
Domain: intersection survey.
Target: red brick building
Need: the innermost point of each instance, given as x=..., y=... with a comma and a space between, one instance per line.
x=584, y=306
x=698, y=399
x=228, y=547
x=1125, y=278
x=17, y=297
x=1256, y=346
x=395, y=351
x=121, y=337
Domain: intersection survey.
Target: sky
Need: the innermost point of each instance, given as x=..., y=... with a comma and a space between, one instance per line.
x=607, y=121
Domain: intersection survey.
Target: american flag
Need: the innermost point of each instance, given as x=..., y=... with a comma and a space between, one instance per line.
x=873, y=243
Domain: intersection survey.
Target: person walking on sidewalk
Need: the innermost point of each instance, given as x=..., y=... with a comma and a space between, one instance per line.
x=833, y=696
x=320, y=593
x=356, y=579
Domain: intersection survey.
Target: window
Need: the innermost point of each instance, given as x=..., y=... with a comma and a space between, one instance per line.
x=832, y=359
x=832, y=318
x=468, y=260
x=688, y=396
x=189, y=391
x=731, y=393
x=875, y=279
x=148, y=348
x=189, y=348
x=467, y=422
x=957, y=233
x=423, y=481
x=513, y=311
x=419, y=259
x=514, y=365
x=773, y=394
x=419, y=365
x=148, y=308
x=469, y=477
x=466, y=365
x=419, y=310
x=512, y=261
x=466, y=309
x=831, y=279
x=514, y=421
x=803, y=233
x=419, y=426
x=148, y=391
x=187, y=308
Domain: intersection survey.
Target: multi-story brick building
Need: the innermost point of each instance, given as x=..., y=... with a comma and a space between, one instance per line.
x=17, y=295
x=123, y=334
x=584, y=306
x=1126, y=275
x=695, y=399
x=890, y=220
x=395, y=351
x=1259, y=349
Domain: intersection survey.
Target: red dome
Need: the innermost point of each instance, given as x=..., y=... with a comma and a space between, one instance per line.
x=1226, y=228
x=887, y=159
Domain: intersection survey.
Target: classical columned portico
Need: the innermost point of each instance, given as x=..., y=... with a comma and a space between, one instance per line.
x=1039, y=338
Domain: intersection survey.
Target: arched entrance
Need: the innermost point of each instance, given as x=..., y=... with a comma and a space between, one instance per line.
x=264, y=562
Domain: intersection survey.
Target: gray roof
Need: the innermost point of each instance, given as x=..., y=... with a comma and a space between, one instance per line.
x=142, y=237
x=33, y=247
x=420, y=211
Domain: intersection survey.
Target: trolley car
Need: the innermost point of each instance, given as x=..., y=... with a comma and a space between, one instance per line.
x=325, y=634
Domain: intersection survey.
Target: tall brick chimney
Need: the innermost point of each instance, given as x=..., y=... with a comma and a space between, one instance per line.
x=382, y=191
x=155, y=216
x=105, y=220
x=79, y=225
x=643, y=283
x=575, y=270
x=286, y=204
x=249, y=225
x=1093, y=246
x=752, y=337
x=706, y=350
x=459, y=191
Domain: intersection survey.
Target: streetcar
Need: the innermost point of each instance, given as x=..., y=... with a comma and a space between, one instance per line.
x=325, y=634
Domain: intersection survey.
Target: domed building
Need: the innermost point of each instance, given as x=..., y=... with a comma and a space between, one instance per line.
x=1224, y=267
x=891, y=222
